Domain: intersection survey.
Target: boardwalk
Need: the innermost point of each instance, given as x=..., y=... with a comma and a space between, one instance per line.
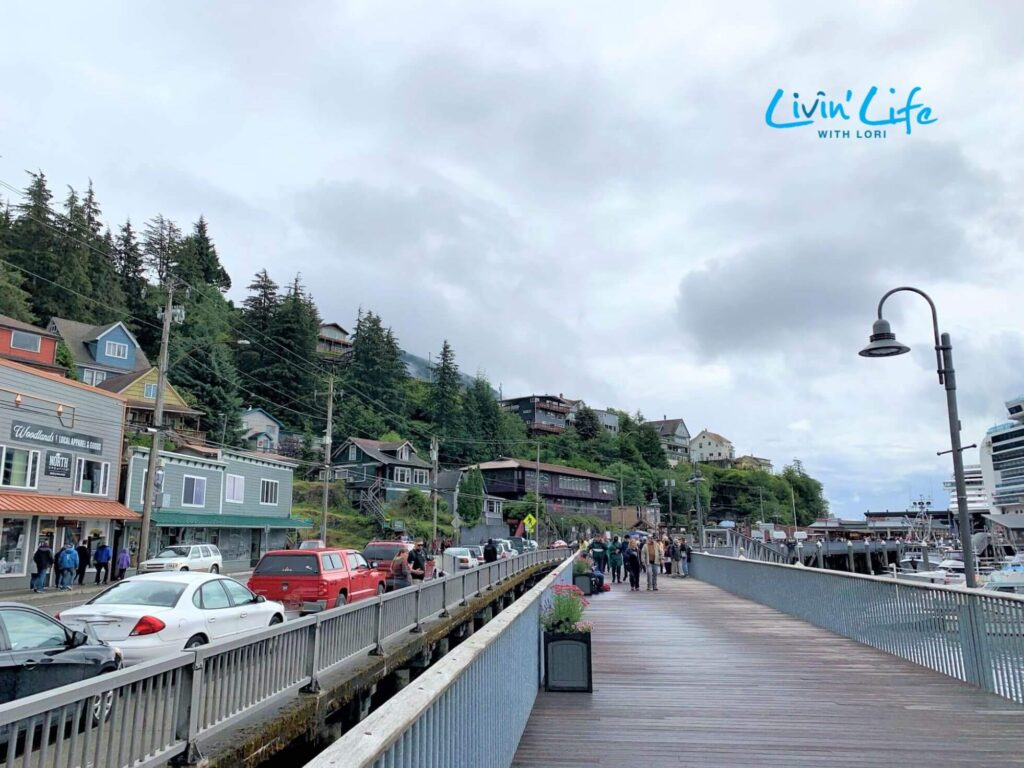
x=693, y=676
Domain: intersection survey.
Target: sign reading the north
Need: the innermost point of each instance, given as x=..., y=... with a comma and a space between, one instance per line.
x=875, y=114
x=58, y=464
x=529, y=522
x=30, y=433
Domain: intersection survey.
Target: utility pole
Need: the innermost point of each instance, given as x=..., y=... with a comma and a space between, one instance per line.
x=792, y=498
x=328, y=433
x=696, y=480
x=158, y=426
x=536, y=493
x=670, y=484
x=434, y=451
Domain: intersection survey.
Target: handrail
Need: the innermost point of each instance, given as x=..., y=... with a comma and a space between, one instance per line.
x=196, y=693
x=973, y=635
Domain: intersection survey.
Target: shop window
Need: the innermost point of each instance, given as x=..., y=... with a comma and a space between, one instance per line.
x=20, y=468
x=234, y=489
x=91, y=477
x=193, y=492
x=12, y=546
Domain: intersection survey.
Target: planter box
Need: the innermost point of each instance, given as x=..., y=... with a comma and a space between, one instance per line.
x=583, y=582
x=567, y=665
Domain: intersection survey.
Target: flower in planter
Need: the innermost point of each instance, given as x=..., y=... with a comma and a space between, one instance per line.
x=584, y=626
x=566, y=610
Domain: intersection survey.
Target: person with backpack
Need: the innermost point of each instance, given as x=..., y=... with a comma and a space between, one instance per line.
x=615, y=559
x=102, y=558
x=84, y=557
x=67, y=564
x=490, y=552
x=632, y=561
x=43, y=559
x=599, y=553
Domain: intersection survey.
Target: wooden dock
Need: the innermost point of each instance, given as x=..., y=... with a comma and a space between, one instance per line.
x=694, y=676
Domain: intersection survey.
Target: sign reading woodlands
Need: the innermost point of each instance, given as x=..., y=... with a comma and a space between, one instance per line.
x=874, y=113
x=30, y=433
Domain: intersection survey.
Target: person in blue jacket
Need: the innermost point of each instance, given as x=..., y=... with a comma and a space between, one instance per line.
x=102, y=559
x=67, y=564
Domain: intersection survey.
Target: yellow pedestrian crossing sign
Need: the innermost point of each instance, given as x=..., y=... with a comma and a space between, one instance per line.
x=529, y=522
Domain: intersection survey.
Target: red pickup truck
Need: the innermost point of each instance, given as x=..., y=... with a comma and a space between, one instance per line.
x=315, y=579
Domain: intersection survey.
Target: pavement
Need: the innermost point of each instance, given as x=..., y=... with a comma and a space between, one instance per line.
x=54, y=600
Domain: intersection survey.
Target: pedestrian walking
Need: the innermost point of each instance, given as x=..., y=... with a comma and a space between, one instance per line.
x=685, y=562
x=67, y=564
x=651, y=557
x=632, y=561
x=490, y=552
x=599, y=553
x=102, y=560
x=43, y=559
x=84, y=558
x=418, y=561
x=615, y=559
x=401, y=571
x=124, y=562
x=671, y=556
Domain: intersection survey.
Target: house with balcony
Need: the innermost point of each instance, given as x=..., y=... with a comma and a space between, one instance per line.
x=100, y=351
x=139, y=390
x=25, y=343
x=377, y=472
x=542, y=414
x=563, y=490
x=675, y=440
x=711, y=448
x=332, y=342
x=238, y=501
x=60, y=451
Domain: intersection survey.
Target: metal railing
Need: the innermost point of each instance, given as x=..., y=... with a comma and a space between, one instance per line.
x=436, y=722
x=972, y=635
x=146, y=714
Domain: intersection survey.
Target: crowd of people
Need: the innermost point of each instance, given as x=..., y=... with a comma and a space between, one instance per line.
x=72, y=562
x=630, y=556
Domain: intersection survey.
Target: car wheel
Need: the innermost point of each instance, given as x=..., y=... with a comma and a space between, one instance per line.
x=101, y=706
x=275, y=619
x=381, y=589
x=194, y=642
x=184, y=568
x=214, y=568
x=342, y=600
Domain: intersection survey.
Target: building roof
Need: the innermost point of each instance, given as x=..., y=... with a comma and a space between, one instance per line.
x=556, y=469
x=752, y=457
x=265, y=412
x=448, y=479
x=667, y=427
x=76, y=335
x=57, y=377
x=204, y=520
x=74, y=507
x=10, y=322
x=120, y=383
x=375, y=450
x=1016, y=522
x=333, y=325
x=714, y=436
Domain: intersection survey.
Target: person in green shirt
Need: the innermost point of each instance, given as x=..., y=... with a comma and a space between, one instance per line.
x=615, y=560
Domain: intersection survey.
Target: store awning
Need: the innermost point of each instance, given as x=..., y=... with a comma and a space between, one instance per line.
x=200, y=520
x=69, y=507
x=1014, y=521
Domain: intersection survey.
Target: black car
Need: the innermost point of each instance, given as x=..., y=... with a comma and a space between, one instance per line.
x=38, y=653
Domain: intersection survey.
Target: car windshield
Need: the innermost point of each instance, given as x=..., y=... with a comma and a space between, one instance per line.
x=381, y=552
x=456, y=551
x=172, y=552
x=291, y=564
x=162, y=594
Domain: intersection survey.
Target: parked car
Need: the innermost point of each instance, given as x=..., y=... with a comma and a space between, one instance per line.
x=314, y=580
x=39, y=653
x=185, y=557
x=313, y=544
x=460, y=557
x=478, y=552
x=154, y=614
x=505, y=549
x=379, y=555
x=559, y=545
x=518, y=544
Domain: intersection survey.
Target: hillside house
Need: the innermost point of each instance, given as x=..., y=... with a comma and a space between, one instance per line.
x=100, y=351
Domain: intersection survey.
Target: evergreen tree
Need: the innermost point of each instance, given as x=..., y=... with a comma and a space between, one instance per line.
x=471, y=498
x=32, y=246
x=130, y=268
x=587, y=424
x=66, y=360
x=445, y=395
x=261, y=304
x=293, y=336
x=648, y=443
x=108, y=299
x=162, y=248
x=73, y=257
x=374, y=371
x=199, y=260
x=14, y=300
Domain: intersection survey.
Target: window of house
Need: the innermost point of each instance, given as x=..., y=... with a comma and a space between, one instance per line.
x=234, y=489
x=116, y=349
x=149, y=392
x=403, y=453
x=402, y=475
x=421, y=477
x=91, y=477
x=353, y=453
x=29, y=342
x=20, y=468
x=12, y=546
x=268, y=491
x=193, y=491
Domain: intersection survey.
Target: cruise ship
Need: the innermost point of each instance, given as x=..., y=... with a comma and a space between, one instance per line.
x=1002, y=467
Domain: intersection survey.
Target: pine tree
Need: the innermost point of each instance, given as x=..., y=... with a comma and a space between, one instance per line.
x=32, y=247
x=130, y=269
x=588, y=426
x=72, y=260
x=648, y=443
x=260, y=305
x=471, y=498
x=199, y=260
x=445, y=400
x=162, y=248
x=375, y=372
x=14, y=300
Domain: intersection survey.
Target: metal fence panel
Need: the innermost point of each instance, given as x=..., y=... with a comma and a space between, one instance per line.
x=966, y=634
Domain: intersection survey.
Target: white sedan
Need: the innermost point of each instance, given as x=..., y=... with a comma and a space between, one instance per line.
x=157, y=614
x=185, y=557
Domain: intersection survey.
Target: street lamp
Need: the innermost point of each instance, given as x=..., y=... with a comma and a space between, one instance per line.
x=882, y=343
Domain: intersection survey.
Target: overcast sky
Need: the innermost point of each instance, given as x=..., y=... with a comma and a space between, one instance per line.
x=583, y=197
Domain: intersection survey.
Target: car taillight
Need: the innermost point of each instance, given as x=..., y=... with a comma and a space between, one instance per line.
x=147, y=625
x=321, y=588
x=57, y=615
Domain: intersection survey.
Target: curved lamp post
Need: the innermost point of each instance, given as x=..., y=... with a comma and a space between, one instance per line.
x=882, y=343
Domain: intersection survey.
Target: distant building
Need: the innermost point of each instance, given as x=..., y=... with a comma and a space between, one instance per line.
x=263, y=432
x=100, y=351
x=541, y=413
x=675, y=440
x=564, y=490
x=1002, y=467
x=333, y=341
x=377, y=472
x=26, y=344
x=711, y=448
x=492, y=523
x=977, y=497
x=609, y=420
x=139, y=389
x=753, y=462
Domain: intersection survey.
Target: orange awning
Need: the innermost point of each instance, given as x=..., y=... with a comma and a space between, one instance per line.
x=71, y=507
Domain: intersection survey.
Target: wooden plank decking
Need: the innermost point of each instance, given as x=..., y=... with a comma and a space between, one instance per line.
x=694, y=676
